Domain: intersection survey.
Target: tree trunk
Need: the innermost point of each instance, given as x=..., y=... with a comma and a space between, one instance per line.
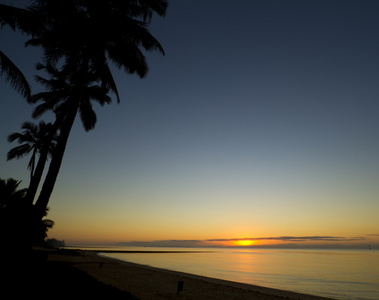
x=36, y=178
x=56, y=161
x=37, y=175
x=32, y=164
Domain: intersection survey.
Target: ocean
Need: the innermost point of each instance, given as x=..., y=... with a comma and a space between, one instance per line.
x=338, y=274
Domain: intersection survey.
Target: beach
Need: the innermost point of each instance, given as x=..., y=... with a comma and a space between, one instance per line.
x=146, y=282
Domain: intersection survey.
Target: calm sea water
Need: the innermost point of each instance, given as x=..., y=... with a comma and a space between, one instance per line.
x=339, y=274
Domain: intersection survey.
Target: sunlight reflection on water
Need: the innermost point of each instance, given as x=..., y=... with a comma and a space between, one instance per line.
x=343, y=274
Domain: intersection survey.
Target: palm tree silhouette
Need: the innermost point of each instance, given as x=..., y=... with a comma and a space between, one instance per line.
x=83, y=37
x=13, y=75
x=60, y=96
x=32, y=140
x=100, y=33
x=38, y=140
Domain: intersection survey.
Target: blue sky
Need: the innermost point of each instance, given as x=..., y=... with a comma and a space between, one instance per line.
x=260, y=120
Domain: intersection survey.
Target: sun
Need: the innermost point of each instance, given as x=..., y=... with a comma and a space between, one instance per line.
x=244, y=243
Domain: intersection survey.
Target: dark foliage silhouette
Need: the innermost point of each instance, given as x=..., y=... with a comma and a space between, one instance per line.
x=61, y=96
x=32, y=140
x=12, y=74
x=79, y=39
x=39, y=140
x=114, y=32
x=9, y=192
x=83, y=37
x=19, y=227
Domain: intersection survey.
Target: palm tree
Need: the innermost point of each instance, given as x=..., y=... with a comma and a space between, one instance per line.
x=13, y=75
x=99, y=32
x=90, y=32
x=32, y=140
x=61, y=96
x=84, y=36
x=38, y=140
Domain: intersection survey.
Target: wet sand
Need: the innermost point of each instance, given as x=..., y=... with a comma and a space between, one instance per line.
x=152, y=283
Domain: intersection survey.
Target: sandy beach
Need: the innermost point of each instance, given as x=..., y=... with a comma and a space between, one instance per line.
x=151, y=283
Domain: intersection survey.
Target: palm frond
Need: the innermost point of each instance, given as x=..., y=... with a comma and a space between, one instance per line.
x=14, y=17
x=99, y=94
x=87, y=115
x=42, y=96
x=43, y=108
x=143, y=9
x=108, y=80
x=27, y=136
x=14, y=136
x=14, y=76
x=29, y=127
x=18, y=152
x=128, y=56
x=138, y=33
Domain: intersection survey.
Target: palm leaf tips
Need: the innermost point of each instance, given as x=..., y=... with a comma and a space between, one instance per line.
x=14, y=76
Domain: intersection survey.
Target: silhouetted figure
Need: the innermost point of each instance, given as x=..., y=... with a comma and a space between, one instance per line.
x=180, y=286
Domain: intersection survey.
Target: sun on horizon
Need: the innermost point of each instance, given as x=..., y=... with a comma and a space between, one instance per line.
x=243, y=243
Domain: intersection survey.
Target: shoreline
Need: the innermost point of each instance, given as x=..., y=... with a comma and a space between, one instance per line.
x=147, y=251
x=146, y=282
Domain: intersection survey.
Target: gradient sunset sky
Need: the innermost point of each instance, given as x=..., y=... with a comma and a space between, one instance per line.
x=260, y=122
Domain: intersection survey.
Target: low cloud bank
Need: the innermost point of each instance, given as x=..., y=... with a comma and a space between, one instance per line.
x=293, y=239
x=289, y=242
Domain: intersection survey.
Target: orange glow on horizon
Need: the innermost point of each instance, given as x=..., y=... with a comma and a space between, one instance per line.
x=243, y=243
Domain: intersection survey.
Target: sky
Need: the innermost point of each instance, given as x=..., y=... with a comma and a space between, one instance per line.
x=258, y=127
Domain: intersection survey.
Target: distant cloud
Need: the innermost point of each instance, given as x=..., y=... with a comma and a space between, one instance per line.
x=164, y=243
x=209, y=242
x=293, y=239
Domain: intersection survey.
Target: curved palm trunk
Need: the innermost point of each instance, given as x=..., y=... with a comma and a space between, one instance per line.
x=37, y=175
x=36, y=178
x=56, y=161
x=32, y=164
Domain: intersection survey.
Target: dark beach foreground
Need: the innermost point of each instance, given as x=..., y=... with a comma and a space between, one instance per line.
x=51, y=274
x=85, y=274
